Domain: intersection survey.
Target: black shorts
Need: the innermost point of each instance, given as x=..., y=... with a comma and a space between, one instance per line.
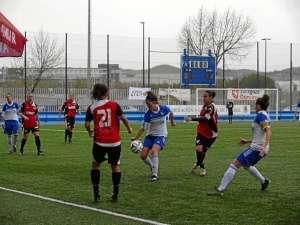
x=113, y=154
x=70, y=121
x=204, y=141
x=32, y=129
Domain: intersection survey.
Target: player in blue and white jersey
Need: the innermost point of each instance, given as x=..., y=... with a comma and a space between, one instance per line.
x=155, y=122
x=259, y=147
x=297, y=110
x=9, y=116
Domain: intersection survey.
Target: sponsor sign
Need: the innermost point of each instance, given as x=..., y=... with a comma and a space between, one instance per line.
x=179, y=94
x=195, y=109
x=136, y=93
x=244, y=94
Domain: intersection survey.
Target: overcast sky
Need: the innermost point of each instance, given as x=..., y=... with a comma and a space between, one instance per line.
x=275, y=19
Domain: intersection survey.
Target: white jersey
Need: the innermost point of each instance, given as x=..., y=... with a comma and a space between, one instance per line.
x=261, y=121
x=156, y=121
x=10, y=111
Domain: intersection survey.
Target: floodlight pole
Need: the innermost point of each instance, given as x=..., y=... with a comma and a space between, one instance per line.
x=266, y=39
x=143, y=53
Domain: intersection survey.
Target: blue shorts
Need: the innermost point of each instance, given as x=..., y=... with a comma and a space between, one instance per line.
x=150, y=140
x=249, y=157
x=11, y=127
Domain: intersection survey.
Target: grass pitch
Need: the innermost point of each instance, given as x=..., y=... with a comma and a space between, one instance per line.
x=177, y=198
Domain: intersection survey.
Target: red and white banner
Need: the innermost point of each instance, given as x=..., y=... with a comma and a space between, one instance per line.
x=6, y=51
x=244, y=94
x=12, y=41
x=138, y=93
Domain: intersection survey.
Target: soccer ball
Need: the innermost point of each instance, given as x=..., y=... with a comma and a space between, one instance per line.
x=136, y=146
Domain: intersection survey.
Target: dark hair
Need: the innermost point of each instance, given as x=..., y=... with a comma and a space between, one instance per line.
x=211, y=93
x=151, y=97
x=263, y=101
x=99, y=91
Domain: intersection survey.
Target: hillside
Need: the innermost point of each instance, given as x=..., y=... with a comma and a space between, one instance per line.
x=160, y=69
x=277, y=74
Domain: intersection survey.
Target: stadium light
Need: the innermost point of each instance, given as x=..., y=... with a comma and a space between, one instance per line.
x=143, y=53
x=266, y=39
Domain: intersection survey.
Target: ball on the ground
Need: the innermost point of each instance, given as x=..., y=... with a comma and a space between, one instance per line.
x=136, y=146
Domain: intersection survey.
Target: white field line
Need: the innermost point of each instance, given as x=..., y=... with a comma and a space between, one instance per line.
x=84, y=207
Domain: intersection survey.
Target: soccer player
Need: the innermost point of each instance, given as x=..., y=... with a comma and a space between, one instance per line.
x=155, y=122
x=259, y=148
x=31, y=123
x=297, y=110
x=69, y=107
x=207, y=130
x=107, y=141
x=229, y=107
x=10, y=123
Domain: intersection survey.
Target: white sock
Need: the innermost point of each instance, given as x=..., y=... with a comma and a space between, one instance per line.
x=148, y=162
x=15, y=139
x=227, y=178
x=155, y=162
x=9, y=141
x=254, y=172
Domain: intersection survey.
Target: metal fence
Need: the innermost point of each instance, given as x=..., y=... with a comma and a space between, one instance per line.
x=127, y=52
x=51, y=99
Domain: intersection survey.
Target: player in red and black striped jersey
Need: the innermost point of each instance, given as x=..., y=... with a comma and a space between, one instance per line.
x=207, y=130
x=31, y=122
x=69, y=108
x=107, y=141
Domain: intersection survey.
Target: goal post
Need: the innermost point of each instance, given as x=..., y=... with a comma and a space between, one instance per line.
x=241, y=98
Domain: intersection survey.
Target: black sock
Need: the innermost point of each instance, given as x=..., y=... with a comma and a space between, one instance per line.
x=200, y=159
x=70, y=135
x=116, y=178
x=38, y=143
x=95, y=178
x=23, y=142
x=66, y=134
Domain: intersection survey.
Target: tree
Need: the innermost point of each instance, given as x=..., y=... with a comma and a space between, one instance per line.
x=43, y=54
x=229, y=33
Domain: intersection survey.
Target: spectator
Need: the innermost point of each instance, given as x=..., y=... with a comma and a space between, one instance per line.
x=229, y=107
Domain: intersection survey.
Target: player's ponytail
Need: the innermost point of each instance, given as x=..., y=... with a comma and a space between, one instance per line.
x=263, y=102
x=151, y=96
x=99, y=91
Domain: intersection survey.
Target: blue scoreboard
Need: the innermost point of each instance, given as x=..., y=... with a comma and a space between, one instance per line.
x=198, y=70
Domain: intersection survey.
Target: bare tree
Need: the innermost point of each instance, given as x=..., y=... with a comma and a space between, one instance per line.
x=43, y=53
x=228, y=33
